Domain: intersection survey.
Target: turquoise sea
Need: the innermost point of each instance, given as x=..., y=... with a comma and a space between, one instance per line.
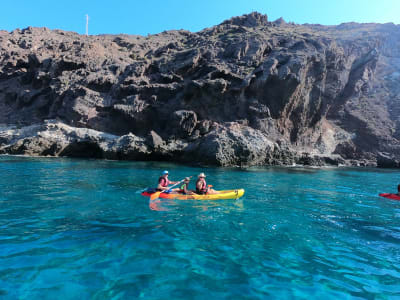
x=79, y=229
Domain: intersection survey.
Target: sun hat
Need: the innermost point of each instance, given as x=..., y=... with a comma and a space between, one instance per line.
x=165, y=172
x=187, y=179
x=202, y=175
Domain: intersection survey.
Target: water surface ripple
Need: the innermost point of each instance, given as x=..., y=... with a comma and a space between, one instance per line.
x=80, y=229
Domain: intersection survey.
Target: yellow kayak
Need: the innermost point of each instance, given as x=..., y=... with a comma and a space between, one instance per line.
x=221, y=195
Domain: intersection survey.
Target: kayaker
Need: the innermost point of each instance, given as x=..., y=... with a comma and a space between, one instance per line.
x=183, y=189
x=201, y=186
x=163, y=182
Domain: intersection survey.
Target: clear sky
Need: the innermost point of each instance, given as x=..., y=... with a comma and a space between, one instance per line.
x=153, y=16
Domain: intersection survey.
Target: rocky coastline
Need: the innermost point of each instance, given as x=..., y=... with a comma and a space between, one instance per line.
x=246, y=92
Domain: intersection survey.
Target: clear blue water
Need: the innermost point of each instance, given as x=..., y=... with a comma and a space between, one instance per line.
x=80, y=229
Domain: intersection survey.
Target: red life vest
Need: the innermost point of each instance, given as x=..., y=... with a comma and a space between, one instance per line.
x=163, y=181
x=203, y=188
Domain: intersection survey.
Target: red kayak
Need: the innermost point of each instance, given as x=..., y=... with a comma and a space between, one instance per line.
x=390, y=196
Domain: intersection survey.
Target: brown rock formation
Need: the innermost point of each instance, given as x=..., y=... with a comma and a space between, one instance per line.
x=245, y=92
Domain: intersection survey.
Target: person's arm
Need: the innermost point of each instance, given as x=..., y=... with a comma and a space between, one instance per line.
x=161, y=187
x=198, y=185
x=185, y=190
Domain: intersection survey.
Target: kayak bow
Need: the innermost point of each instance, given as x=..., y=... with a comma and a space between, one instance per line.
x=390, y=196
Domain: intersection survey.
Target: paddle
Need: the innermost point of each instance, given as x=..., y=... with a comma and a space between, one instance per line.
x=156, y=194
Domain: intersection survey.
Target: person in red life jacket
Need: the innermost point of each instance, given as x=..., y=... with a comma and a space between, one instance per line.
x=183, y=189
x=163, y=183
x=201, y=186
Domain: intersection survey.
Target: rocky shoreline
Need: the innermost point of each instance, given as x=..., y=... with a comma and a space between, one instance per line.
x=247, y=92
x=53, y=138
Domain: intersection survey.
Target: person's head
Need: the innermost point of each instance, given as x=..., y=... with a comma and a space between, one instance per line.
x=165, y=173
x=201, y=175
x=187, y=180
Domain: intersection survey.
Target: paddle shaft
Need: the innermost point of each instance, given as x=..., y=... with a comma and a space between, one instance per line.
x=156, y=194
x=173, y=186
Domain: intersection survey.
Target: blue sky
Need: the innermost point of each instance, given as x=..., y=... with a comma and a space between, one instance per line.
x=153, y=16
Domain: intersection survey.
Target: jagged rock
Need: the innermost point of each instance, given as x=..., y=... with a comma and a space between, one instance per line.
x=184, y=121
x=244, y=92
x=233, y=145
x=279, y=21
x=204, y=126
x=155, y=141
x=251, y=20
x=385, y=160
x=58, y=139
x=316, y=160
x=128, y=147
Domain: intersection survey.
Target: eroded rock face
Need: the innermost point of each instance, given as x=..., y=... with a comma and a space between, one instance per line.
x=245, y=92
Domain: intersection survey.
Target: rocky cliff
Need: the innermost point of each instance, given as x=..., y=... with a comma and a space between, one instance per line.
x=245, y=92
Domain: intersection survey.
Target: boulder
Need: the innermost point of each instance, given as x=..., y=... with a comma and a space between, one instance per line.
x=234, y=145
x=183, y=122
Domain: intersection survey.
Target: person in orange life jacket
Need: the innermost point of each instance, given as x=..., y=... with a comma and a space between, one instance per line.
x=184, y=187
x=201, y=186
x=163, y=183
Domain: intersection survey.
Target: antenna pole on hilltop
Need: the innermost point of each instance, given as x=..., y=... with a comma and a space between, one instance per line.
x=87, y=25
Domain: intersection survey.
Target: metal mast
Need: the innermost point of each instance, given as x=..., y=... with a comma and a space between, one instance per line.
x=87, y=24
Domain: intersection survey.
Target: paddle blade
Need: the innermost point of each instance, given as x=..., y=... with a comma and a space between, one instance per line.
x=154, y=196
